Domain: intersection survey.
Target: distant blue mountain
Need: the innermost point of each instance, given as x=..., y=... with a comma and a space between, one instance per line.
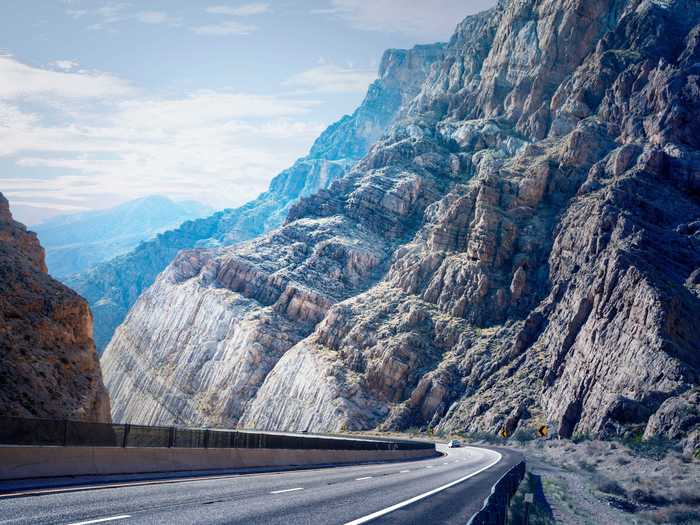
x=78, y=241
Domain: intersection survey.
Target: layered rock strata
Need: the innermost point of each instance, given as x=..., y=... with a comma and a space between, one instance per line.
x=113, y=287
x=521, y=247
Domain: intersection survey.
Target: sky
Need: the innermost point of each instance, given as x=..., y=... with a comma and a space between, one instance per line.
x=105, y=101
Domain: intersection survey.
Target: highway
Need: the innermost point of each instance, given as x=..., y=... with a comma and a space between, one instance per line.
x=448, y=489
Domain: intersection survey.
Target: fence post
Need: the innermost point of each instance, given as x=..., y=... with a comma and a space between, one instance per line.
x=126, y=434
x=65, y=432
x=206, y=438
x=171, y=437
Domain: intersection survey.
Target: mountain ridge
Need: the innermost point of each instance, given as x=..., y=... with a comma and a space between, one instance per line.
x=505, y=256
x=111, y=288
x=75, y=242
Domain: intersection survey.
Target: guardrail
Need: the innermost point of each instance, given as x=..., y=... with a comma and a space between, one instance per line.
x=48, y=432
x=495, y=509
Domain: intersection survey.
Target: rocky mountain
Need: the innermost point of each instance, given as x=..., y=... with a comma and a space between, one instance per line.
x=522, y=247
x=48, y=364
x=113, y=287
x=75, y=242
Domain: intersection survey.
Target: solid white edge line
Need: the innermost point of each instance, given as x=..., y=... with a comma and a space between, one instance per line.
x=383, y=512
x=366, y=477
x=102, y=520
x=286, y=490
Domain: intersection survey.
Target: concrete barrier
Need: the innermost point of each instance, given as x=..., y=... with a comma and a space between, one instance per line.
x=19, y=462
x=495, y=509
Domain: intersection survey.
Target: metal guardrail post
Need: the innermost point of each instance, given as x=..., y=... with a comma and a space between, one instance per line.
x=65, y=432
x=126, y=434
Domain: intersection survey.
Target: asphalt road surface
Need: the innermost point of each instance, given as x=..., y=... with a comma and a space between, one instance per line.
x=448, y=489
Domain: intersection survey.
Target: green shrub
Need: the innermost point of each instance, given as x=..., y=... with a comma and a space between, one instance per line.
x=610, y=486
x=580, y=437
x=523, y=435
x=655, y=448
x=585, y=465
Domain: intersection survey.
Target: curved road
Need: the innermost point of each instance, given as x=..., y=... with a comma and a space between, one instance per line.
x=448, y=489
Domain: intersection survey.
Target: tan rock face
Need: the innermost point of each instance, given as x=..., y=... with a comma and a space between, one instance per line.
x=48, y=364
x=521, y=247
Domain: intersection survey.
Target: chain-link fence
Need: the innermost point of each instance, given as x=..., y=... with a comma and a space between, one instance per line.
x=49, y=432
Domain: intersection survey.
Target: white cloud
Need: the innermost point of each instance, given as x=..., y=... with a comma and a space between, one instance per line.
x=215, y=146
x=77, y=13
x=65, y=65
x=206, y=107
x=329, y=78
x=49, y=204
x=111, y=13
x=228, y=27
x=433, y=19
x=242, y=10
x=107, y=14
x=21, y=80
x=157, y=17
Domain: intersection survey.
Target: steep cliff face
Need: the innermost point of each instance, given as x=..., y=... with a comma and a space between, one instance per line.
x=113, y=287
x=48, y=364
x=521, y=247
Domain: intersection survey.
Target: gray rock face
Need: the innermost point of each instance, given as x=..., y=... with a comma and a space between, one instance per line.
x=48, y=364
x=112, y=288
x=521, y=247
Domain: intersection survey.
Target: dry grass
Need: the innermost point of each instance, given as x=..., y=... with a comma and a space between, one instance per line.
x=656, y=485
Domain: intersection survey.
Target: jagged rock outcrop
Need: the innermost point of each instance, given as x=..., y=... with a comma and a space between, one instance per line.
x=521, y=247
x=113, y=287
x=48, y=364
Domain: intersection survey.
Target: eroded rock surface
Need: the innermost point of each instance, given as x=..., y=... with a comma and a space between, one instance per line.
x=48, y=364
x=521, y=247
x=113, y=287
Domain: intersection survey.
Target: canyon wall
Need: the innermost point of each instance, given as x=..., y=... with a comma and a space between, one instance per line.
x=113, y=287
x=48, y=364
x=521, y=247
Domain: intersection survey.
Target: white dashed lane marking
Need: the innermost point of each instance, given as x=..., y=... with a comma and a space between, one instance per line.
x=286, y=490
x=102, y=520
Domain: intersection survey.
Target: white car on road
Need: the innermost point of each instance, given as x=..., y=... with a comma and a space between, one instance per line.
x=454, y=444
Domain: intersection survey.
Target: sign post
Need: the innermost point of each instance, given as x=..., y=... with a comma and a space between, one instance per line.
x=528, y=500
